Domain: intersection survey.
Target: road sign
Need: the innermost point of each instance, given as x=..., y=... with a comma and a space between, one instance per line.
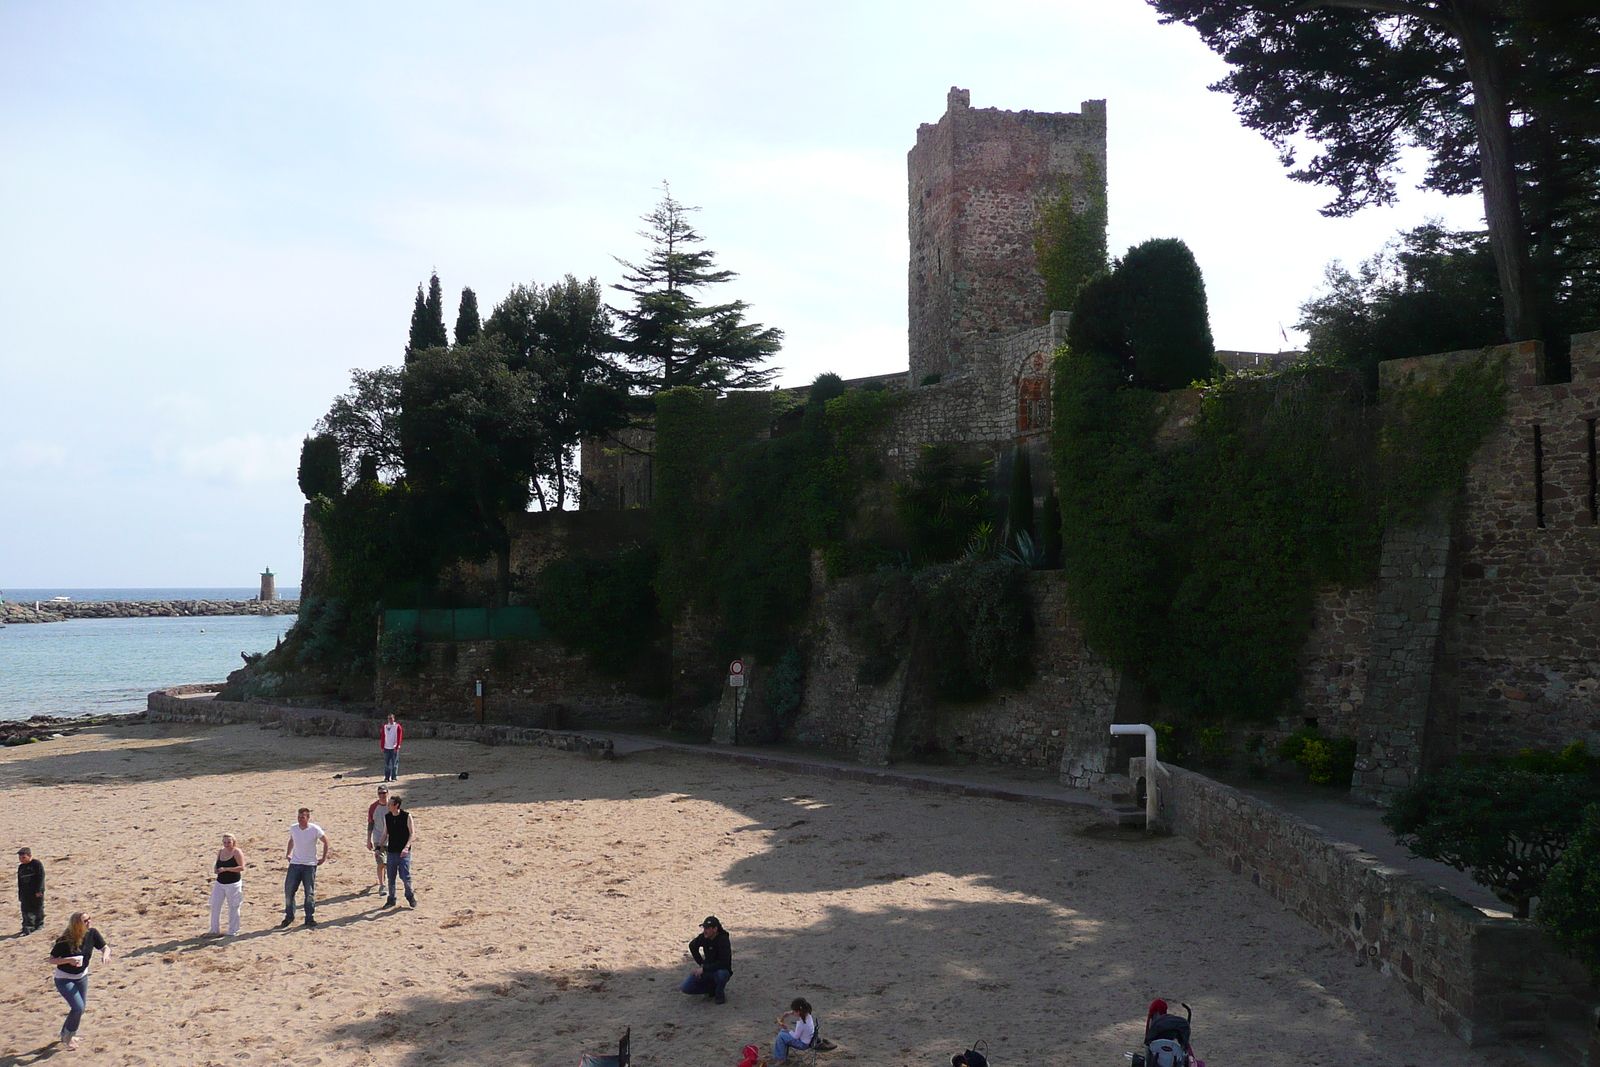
x=736, y=673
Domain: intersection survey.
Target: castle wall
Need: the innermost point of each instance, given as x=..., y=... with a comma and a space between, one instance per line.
x=1334, y=663
x=975, y=180
x=541, y=537
x=1059, y=720
x=617, y=473
x=1486, y=635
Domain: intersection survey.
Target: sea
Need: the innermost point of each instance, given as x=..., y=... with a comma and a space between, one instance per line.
x=107, y=666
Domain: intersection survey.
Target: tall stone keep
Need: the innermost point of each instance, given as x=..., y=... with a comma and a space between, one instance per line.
x=977, y=177
x=269, y=585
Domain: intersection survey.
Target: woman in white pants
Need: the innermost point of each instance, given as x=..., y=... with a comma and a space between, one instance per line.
x=227, y=887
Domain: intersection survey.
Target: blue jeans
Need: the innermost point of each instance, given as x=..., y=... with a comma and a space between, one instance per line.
x=391, y=764
x=300, y=874
x=400, y=865
x=708, y=984
x=75, y=991
x=785, y=1042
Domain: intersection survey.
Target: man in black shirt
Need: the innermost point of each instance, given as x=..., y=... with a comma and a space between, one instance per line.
x=713, y=952
x=30, y=890
x=399, y=832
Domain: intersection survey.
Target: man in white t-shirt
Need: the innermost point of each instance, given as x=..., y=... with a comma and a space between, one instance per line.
x=390, y=735
x=301, y=852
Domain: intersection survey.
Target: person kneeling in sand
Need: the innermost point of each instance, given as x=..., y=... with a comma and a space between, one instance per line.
x=797, y=1036
x=714, y=953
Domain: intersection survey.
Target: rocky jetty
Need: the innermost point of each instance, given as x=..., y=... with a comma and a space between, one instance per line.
x=46, y=727
x=62, y=610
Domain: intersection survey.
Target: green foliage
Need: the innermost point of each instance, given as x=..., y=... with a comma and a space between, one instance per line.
x=1569, y=900
x=786, y=686
x=1147, y=318
x=1429, y=290
x=427, y=320
x=1162, y=300
x=977, y=620
x=1504, y=823
x=739, y=507
x=400, y=651
x=668, y=335
x=876, y=612
x=321, y=467
x=604, y=607
x=1050, y=529
x=943, y=503
x=1431, y=429
x=1019, y=498
x=1324, y=760
x=467, y=324
x=1070, y=237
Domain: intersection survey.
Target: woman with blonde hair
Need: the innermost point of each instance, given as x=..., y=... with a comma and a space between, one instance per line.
x=226, y=887
x=70, y=956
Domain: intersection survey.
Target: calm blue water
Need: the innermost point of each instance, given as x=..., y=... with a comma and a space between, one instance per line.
x=106, y=666
x=28, y=596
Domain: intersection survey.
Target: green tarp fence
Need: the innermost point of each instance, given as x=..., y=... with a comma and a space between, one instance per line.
x=465, y=624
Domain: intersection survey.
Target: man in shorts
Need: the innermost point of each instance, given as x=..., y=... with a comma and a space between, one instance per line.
x=301, y=852
x=375, y=813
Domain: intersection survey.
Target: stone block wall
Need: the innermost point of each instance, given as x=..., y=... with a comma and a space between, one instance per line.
x=1487, y=979
x=1522, y=648
x=540, y=537
x=1333, y=664
x=975, y=179
x=1059, y=720
x=529, y=683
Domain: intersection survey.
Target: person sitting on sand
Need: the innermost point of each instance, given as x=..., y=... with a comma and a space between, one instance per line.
x=797, y=1036
x=70, y=957
x=714, y=953
x=227, y=887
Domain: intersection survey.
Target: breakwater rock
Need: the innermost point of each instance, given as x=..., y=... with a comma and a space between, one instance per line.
x=60, y=611
x=47, y=727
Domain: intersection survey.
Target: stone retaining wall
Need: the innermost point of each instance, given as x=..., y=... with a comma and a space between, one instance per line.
x=60, y=611
x=1488, y=979
x=174, y=705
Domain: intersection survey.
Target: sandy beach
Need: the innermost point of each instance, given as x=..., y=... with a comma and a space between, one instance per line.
x=558, y=894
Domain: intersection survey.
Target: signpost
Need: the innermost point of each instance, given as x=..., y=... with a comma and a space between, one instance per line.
x=736, y=673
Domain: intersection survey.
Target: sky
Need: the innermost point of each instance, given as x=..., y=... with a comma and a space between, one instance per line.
x=213, y=211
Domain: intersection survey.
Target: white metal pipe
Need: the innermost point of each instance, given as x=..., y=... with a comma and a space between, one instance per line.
x=1151, y=804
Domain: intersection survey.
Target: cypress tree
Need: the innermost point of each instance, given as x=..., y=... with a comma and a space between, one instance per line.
x=1050, y=523
x=427, y=320
x=467, y=324
x=321, y=467
x=1019, y=501
x=1162, y=300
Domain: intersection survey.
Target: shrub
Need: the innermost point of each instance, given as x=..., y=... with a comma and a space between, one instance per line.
x=1569, y=902
x=978, y=620
x=1324, y=760
x=400, y=651
x=604, y=607
x=1504, y=824
x=786, y=686
x=944, y=502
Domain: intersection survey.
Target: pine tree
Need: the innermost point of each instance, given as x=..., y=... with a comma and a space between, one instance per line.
x=321, y=467
x=1163, y=301
x=668, y=336
x=427, y=320
x=467, y=324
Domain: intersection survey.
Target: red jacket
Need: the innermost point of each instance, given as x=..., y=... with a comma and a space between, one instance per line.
x=399, y=734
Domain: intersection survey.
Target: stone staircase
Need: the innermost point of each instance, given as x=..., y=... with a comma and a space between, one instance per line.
x=1121, y=807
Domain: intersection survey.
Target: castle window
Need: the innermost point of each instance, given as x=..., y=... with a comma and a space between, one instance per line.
x=1538, y=476
x=1033, y=404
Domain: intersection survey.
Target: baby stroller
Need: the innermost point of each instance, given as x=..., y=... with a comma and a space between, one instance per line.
x=1166, y=1039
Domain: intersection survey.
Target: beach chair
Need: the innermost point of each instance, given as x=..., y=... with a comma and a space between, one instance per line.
x=593, y=1059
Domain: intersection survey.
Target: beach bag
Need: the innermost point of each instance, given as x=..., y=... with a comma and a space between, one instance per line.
x=973, y=1058
x=751, y=1055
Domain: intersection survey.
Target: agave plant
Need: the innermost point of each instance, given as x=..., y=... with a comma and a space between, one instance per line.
x=1024, y=550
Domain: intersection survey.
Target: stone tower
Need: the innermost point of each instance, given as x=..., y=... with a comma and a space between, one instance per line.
x=269, y=585
x=976, y=178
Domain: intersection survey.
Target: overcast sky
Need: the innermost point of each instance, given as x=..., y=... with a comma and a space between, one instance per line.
x=210, y=212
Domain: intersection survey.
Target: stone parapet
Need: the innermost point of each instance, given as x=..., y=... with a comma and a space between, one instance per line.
x=171, y=705
x=1487, y=979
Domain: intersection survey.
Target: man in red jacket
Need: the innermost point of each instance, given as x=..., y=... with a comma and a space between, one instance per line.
x=390, y=735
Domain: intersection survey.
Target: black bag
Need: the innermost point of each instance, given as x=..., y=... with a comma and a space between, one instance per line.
x=969, y=1058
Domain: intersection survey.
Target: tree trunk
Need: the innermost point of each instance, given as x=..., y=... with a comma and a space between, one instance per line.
x=1502, y=211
